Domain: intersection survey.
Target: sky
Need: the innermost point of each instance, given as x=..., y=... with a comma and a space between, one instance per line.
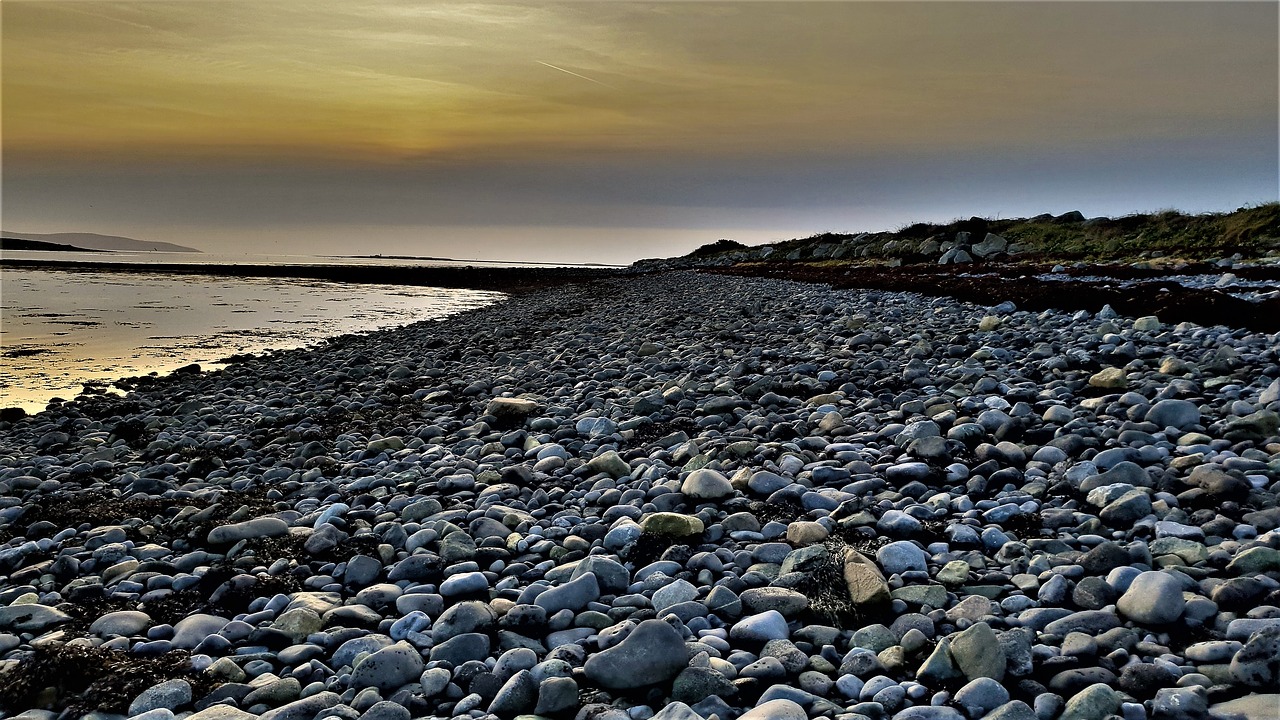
x=612, y=131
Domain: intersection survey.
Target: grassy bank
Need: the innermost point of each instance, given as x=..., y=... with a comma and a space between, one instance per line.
x=1250, y=232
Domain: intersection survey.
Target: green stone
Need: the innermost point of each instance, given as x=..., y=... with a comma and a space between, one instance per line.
x=673, y=524
x=1255, y=560
x=953, y=574
x=935, y=596
x=1095, y=702
x=1190, y=551
x=990, y=592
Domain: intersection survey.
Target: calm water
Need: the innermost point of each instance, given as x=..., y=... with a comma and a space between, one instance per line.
x=161, y=258
x=60, y=329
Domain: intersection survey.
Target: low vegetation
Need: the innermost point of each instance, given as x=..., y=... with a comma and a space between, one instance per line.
x=1250, y=231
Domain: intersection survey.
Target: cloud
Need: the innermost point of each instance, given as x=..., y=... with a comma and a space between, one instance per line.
x=241, y=114
x=378, y=81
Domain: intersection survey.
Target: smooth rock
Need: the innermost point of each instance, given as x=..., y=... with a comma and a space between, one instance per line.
x=654, y=652
x=1153, y=598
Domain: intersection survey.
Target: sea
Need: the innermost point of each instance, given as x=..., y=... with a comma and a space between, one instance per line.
x=60, y=329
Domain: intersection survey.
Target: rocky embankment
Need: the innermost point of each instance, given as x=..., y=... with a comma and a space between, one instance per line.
x=680, y=496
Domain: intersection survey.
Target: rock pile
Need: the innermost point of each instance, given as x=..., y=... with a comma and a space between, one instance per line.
x=678, y=497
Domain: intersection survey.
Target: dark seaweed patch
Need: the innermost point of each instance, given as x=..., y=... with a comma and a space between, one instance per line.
x=648, y=433
x=81, y=679
x=783, y=511
x=1028, y=525
x=649, y=548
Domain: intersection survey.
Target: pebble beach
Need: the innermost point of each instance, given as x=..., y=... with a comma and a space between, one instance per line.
x=675, y=495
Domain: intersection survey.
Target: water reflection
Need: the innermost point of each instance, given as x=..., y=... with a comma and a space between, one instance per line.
x=61, y=329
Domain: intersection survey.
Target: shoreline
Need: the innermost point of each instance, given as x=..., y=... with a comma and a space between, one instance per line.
x=690, y=491
x=1130, y=290
x=503, y=279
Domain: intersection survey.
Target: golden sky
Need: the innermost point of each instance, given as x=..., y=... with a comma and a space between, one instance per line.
x=559, y=94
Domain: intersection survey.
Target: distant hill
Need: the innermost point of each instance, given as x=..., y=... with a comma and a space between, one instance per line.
x=93, y=241
x=9, y=243
x=1251, y=231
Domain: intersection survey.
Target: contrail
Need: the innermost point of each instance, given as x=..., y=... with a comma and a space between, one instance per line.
x=584, y=77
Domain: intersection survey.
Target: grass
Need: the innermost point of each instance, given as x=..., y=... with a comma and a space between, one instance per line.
x=1251, y=231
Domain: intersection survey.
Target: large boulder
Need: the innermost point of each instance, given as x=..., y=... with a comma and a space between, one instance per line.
x=511, y=411
x=673, y=524
x=1153, y=598
x=865, y=582
x=653, y=653
x=992, y=244
x=705, y=484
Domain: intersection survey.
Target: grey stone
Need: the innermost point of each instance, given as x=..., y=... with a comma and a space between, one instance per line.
x=976, y=651
x=653, y=653
x=170, y=694
x=1270, y=394
x=1250, y=707
x=255, y=528
x=901, y=556
x=386, y=710
x=1095, y=702
x=676, y=710
x=775, y=710
x=517, y=695
x=1093, y=622
x=361, y=571
x=611, y=464
x=276, y=692
x=1174, y=413
x=1012, y=710
x=1126, y=509
x=695, y=684
x=221, y=712
x=706, y=484
x=1182, y=703
x=556, y=694
x=1154, y=598
x=673, y=524
x=992, y=244
x=761, y=627
x=766, y=483
x=1257, y=664
x=122, y=622
x=610, y=574
x=787, y=602
x=467, y=583
x=511, y=410
x=388, y=668
x=304, y=709
x=461, y=648
x=31, y=617
x=980, y=696
x=193, y=629
x=939, y=667
x=573, y=595
x=672, y=594
x=928, y=712
x=1258, y=559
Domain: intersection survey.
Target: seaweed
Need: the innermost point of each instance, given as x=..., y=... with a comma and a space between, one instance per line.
x=1025, y=525
x=650, y=432
x=783, y=511
x=79, y=678
x=96, y=507
x=649, y=548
